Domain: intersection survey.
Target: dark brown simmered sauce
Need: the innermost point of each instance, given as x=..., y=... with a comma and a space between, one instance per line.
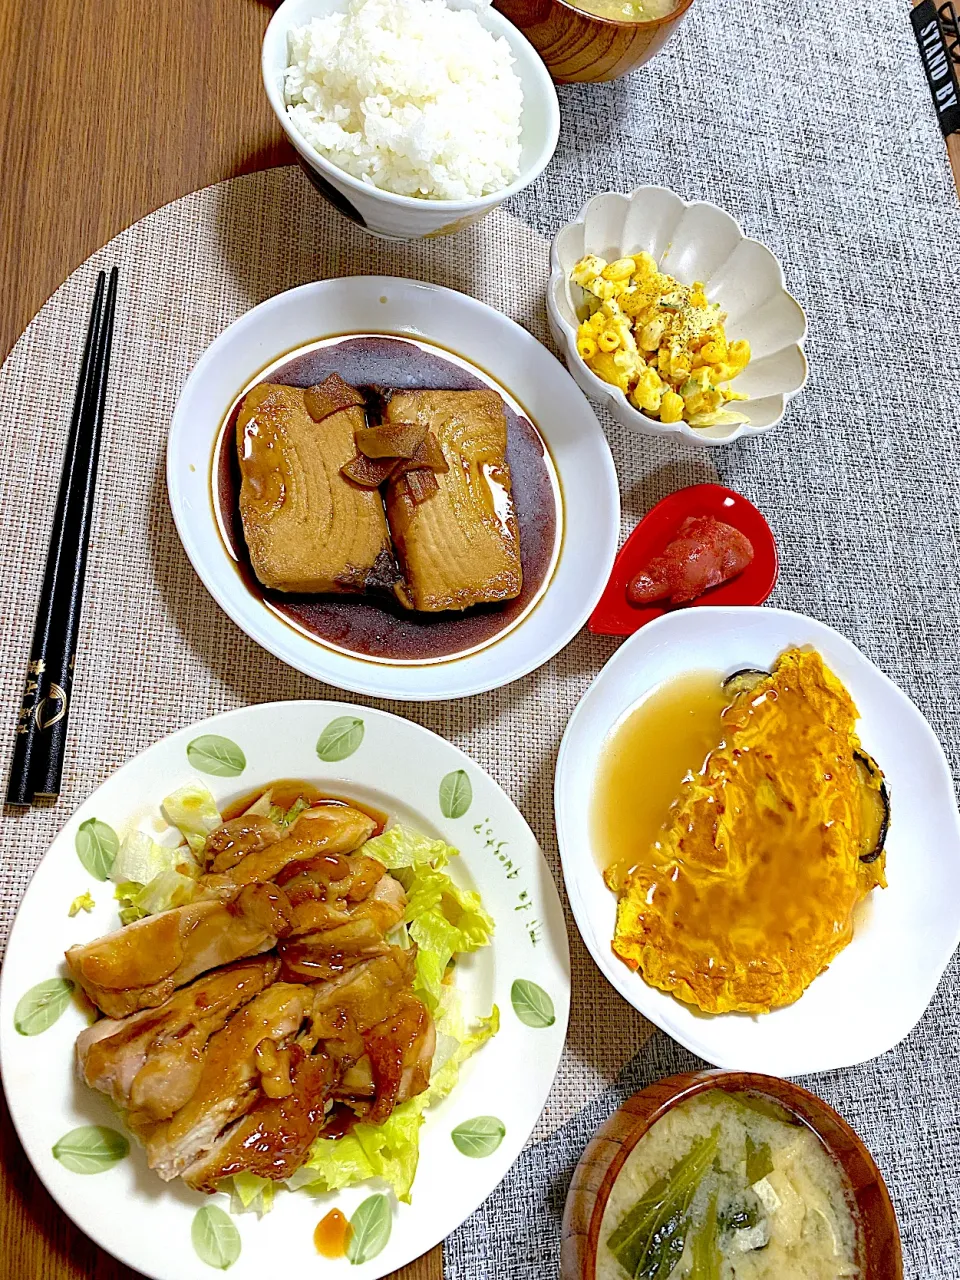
x=374, y=627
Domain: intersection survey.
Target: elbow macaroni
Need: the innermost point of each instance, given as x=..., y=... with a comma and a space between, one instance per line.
x=662, y=343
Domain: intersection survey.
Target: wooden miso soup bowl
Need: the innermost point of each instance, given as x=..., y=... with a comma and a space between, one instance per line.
x=579, y=46
x=880, y=1256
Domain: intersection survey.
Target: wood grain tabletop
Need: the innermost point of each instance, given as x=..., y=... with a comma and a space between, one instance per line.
x=111, y=109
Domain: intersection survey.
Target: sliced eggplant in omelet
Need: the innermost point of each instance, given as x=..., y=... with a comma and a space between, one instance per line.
x=750, y=889
x=874, y=806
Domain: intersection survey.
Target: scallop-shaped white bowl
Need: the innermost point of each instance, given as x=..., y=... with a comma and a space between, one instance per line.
x=690, y=241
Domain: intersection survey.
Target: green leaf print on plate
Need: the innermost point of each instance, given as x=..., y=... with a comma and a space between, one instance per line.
x=340, y=738
x=213, y=754
x=215, y=1238
x=456, y=794
x=91, y=1149
x=478, y=1137
x=96, y=845
x=531, y=1004
x=371, y=1225
x=42, y=1005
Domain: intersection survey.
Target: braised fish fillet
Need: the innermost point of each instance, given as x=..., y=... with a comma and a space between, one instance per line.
x=151, y=1062
x=307, y=527
x=140, y=966
x=750, y=889
x=460, y=546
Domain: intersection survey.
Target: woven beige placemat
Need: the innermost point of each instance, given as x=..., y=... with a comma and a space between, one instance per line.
x=155, y=652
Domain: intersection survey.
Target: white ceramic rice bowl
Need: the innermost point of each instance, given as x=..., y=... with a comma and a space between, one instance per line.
x=407, y=217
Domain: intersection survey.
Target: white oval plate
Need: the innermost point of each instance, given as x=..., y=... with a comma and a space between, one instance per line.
x=397, y=767
x=878, y=987
x=482, y=336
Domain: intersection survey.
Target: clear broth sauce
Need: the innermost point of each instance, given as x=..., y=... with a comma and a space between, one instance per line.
x=380, y=628
x=643, y=763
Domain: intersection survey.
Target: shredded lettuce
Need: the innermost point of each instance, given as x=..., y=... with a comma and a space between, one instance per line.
x=139, y=859
x=388, y=1151
x=152, y=877
x=169, y=889
x=82, y=902
x=287, y=817
x=400, y=847
x=250, y=1193
x=443, y=921
x=265, y=808
x=126, y=894
x=193, y=811
x=440, y=918
x=262, y=805
x=455, y=1044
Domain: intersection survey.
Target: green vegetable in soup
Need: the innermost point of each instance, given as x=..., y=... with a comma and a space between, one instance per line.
x=759, y=1160
x=649, y=1241
x=705, y=1246
x=739, y=1213
x=757, y=1104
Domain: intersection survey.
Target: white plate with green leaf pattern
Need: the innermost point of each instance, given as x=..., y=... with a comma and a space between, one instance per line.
x=75, y=1139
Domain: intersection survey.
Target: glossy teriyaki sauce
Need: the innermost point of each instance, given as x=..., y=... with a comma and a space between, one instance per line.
x=379, y=627
x=286, y=791
x=332, y=1235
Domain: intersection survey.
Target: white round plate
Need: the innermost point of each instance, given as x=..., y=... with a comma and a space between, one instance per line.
x=397, y=767
x=483, y=337
x=878, y=987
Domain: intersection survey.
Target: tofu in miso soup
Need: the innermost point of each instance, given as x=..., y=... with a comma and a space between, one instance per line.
x=729, y=1186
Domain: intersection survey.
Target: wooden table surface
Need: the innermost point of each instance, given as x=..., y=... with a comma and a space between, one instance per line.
x=112, y=109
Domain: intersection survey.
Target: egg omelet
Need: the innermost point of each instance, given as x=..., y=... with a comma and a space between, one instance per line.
x=750, y=889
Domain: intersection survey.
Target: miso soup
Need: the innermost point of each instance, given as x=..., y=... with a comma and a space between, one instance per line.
x=732, y=1187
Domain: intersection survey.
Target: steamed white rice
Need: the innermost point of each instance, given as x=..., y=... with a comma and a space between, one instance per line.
x=409, y=96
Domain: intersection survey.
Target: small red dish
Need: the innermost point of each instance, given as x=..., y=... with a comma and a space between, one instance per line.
x=615, y=616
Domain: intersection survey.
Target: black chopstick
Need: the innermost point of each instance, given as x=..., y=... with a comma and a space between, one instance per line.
x=37, y=765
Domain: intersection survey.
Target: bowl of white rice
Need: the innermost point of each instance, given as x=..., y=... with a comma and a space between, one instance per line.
x=414, y=117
